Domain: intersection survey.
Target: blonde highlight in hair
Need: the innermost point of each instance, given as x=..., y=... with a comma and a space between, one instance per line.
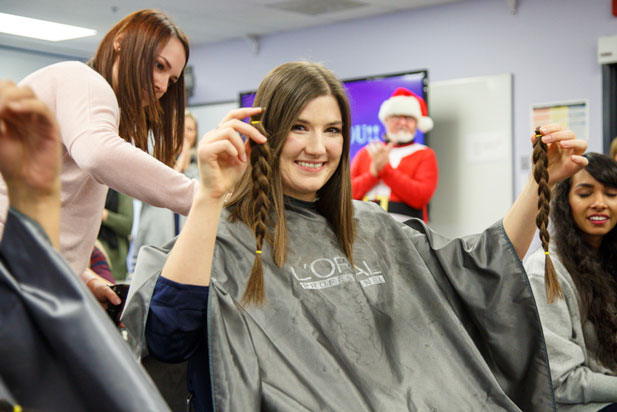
x=540, y=174
x=258, y=199
x=141, y=37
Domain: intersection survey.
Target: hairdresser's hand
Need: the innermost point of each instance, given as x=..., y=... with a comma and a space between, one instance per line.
x=29, y=144
x=101, y=291
x=564, y=152
x=223, y=155
x=380, y=156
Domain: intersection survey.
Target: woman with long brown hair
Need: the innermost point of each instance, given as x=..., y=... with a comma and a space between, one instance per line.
x=131, y=92
x=581, y=327
x=284, y=294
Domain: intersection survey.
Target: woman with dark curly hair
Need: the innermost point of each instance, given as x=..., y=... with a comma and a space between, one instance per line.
x=581, y=329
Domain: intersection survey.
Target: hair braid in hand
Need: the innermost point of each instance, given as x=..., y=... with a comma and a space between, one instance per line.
x=540, y=174
x=260, y=174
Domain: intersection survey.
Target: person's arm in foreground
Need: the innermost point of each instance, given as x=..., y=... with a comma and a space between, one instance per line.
x=174, y=327
x=564, y=157
x=30, y=165
x=30, y=157
x=223, y=157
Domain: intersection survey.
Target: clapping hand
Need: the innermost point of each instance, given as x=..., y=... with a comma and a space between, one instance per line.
x=380, y=156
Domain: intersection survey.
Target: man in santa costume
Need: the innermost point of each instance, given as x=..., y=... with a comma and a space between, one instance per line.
x=399, y=174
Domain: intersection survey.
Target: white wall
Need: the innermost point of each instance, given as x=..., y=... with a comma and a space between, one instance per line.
x=472, y=140
x=16, y=64
x=548, y=45
x=209, y=116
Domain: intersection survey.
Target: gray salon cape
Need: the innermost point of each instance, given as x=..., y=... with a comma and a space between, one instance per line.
x=417, y=323
x=59, y=351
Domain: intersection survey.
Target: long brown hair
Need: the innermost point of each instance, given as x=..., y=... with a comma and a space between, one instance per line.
x=258, y=198
x=594, y=272
x=142, y=36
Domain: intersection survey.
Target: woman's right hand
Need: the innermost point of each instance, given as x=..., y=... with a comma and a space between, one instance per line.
x=223, y=155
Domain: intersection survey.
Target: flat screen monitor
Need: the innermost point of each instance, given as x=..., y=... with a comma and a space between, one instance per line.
x=365, y=97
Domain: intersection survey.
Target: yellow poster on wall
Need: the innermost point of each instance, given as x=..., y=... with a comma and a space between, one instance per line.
x=573, y=115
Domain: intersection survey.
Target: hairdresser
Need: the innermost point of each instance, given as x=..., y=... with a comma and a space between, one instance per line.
x=131, y=92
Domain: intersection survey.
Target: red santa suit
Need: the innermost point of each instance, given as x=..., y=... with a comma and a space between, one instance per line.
x=405, y=185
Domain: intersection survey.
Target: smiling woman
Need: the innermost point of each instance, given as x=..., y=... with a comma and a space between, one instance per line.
x=581, y=328
x=312, y=150
x=290, y=296
x=594, y=207
x=132, y=88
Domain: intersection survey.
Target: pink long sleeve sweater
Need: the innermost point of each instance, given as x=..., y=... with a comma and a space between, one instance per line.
x=95, y=157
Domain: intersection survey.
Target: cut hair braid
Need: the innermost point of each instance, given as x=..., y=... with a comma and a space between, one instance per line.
x=260, y=174
x=540, y=174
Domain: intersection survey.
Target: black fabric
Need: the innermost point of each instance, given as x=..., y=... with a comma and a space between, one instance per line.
x=610, y=408
x=198, y=381
x=6, y=398
x=106, y=234
x=400, y=208
x=112, y=201
x=301, y=203
x=171, y=380
x=59, y=351
x=404, y=209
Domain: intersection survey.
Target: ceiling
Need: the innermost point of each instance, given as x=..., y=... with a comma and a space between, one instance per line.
x=204, y=21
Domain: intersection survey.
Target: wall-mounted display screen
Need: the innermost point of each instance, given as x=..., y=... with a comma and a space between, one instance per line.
x=365, y=98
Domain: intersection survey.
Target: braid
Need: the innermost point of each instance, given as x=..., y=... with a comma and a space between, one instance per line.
x=540, y=174
x=260, y=194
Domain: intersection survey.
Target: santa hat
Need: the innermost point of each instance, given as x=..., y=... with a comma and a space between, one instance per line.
x=407, y=103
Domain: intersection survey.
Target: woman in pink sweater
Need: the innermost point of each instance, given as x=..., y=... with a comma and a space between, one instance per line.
x=127, y=99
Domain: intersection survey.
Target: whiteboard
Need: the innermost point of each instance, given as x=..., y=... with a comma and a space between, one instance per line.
x=472, y=139
x=209, y=115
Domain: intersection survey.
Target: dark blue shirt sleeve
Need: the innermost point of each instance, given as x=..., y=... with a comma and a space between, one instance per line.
x=176, y=325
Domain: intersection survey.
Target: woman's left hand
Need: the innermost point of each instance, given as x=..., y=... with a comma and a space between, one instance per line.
x=30, y=147
x=564, y=152
x=29, y=143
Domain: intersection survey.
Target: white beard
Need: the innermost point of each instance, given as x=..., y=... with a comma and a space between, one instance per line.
x=401, y=137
